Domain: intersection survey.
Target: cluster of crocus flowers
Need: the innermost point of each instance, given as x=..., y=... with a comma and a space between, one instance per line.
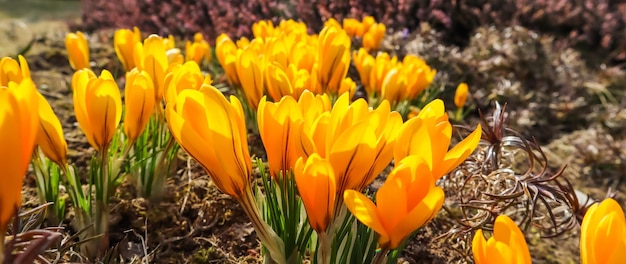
x=77, y=50
x=372, y=33
x=329, y=149
x=132, y=52
x=353, y=139
x=385, y=77
x=603, y=234
x=158, y=58
x=506, y=245
x=409, y=199
x=286, y=60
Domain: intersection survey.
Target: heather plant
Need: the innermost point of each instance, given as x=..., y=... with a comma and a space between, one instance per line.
x=594, y=27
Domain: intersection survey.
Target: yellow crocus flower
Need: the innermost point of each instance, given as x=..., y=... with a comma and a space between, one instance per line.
x=181, y=77
x=212, y=130
x=263, y=29
x=419, y=75
x=277, y=81
x=19, y=126
x=333, y=57
x=12, y=71
x=226, y=52
x=303, y=56
x=174, y=56
x=367, y=22
x=280, y=127
x=169, y=42
x=429, y=134
x=250, y=70
x=77, y=50
x=460, y=96
x=394, y=85
x=352, y=26
x=374, y=36
x=347, y=86
x=406, y=201
x=152, y=58
x=383, y=63
x=139, y=102
x=197, y=50
x=301, y=80
x=50, y=137
x=98, y=106
x=364, y=63
x=358, y=141
x=316, y=116
x=124, y=42
x=331, y=22
x=276, y=51
x=315, y=180
x=603, y=234
x=507, y=245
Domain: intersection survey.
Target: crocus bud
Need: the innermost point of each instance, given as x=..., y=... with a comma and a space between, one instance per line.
x=77, y=50
x=460, y=96
x=139, y=102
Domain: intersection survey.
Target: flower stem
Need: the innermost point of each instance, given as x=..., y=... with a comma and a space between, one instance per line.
x=324, y=250
x=381, y=256
x=269, y=239
x=2, y=246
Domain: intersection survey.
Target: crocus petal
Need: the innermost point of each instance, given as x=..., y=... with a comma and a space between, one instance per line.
x=316, y=185
x=139, y=97
x=603, y=233
x=364, y=210
x=19, y=117
x=104, y=110
x=459, y=153
x=418, y=216
x=479, y=247
x=50, y=137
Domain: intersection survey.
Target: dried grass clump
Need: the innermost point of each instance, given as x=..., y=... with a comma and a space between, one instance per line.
x=510, y=175
x=543, y=85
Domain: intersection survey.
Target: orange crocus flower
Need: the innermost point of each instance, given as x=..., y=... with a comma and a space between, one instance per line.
x=19, y=126
x=406, y=201
x=429, y=135
x=77, y=50
x=507, y=245
x=603, y=234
